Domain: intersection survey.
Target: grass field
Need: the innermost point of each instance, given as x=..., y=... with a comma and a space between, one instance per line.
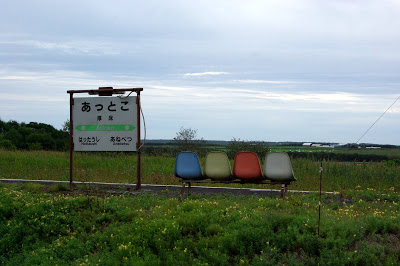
x=386, y=151
x=38, y=227
x=390, y=152
x=49, y=226
x=121, y=168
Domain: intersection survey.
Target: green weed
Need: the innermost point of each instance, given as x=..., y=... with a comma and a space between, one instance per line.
x=56, y=187
x=34, y=187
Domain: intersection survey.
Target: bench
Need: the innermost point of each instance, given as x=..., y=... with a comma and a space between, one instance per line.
x=246, y=169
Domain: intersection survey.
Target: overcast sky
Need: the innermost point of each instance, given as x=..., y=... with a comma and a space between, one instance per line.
x=280, y=70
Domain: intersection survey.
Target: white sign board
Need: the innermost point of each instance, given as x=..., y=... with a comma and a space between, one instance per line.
x=105, y=124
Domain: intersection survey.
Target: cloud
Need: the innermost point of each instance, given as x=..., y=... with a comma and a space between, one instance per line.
x=205, y=74
x=75, y=47
x=33, y=98
x=278, y=65
x=18, y=77
x=257, y=81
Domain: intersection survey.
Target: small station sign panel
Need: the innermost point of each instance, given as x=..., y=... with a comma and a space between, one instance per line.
x=105, y=123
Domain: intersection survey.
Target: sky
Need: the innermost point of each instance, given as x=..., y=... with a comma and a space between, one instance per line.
x=304, y=70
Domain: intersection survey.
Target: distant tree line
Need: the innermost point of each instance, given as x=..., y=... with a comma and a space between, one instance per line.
x=40, y=136
x=202, y=148
x=186, y=140
x=32, y=136
x=340, y=157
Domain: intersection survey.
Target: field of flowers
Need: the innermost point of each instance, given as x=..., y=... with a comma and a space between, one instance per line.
x=48, y=226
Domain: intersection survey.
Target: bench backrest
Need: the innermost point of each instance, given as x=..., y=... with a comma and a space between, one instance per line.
x=217, y=166
x=247, y=166
x=278, y=167
x=187, y=166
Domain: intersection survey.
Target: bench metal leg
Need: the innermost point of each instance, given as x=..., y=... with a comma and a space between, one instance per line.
x=182, y=190
x=283, y=190
x=284, y=187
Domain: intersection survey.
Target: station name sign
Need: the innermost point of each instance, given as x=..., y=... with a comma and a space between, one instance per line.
x=105, y=124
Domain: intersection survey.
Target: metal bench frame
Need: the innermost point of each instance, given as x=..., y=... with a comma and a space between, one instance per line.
x=268, y=182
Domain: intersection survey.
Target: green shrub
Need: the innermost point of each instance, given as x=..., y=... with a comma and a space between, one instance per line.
x=237, y=145
x=58, y=186
x=7, y=145
x=35, y=146
x=34, y=187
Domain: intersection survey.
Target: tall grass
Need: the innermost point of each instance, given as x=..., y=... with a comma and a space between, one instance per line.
x=338, y=176
x=88, y=167
x=121, y=168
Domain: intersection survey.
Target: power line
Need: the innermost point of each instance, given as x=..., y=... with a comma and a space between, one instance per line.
x=377, y=119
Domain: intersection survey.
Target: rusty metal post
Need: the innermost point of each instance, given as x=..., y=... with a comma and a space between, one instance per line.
x=139, y=178
x=71, y=140
x=320, y=195
x=182, y=190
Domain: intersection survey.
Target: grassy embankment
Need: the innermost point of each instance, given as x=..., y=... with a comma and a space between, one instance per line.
x=121, y=168
x=50, y=229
